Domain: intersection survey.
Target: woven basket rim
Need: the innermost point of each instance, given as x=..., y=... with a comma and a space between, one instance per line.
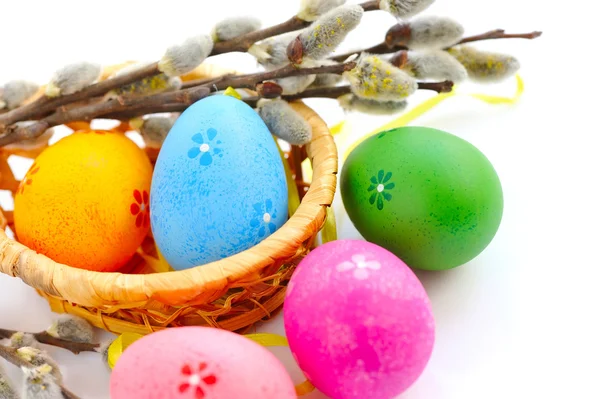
x=39, y=271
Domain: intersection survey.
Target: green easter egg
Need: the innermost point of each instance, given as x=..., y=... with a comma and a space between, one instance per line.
x=431, y=198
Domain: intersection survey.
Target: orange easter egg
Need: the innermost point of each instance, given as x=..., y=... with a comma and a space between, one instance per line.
x=84, y=201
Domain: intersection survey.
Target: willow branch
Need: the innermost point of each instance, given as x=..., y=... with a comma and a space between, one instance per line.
x=10, y=355
x=244, y=42
x=89, y=112
x=338, y=91
x=45, y=105
x=45, y=338
x=251, y=81
x=499, y=34
x=383, y=48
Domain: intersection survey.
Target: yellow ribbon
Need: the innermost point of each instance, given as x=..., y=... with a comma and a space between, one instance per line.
x=425, y=107
x=230, y=91
x=329, y=231
x=116, y=349
x=269, y=340
x=293, y=196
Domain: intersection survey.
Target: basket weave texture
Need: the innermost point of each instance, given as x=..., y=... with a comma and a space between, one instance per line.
x=233, y=293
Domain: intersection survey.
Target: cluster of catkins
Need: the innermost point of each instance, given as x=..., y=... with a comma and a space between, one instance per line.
x=43, y=378
x=379, y=84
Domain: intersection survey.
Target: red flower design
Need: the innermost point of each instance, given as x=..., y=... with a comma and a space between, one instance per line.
x=27, y=180
x=140, y=208
x=197, y=381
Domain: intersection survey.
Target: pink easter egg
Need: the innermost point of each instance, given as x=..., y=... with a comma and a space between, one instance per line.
x=199, y=363
x=358, y=321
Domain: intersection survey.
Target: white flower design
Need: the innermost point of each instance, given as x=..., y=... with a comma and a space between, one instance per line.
x=360, y=265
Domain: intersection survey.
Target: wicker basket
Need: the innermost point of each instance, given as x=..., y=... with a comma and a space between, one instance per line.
x=233, y=293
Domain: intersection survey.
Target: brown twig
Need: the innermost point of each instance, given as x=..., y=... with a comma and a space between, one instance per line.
x=244, y=42
x=499, y=34
x=10, y=355
x=139, y=106
x=89, y=112
x=250, y=81
x=381, y=48
x=45, y=338
x=338, y=91
x=439, y=87
x=45, y=105
x=384, y=48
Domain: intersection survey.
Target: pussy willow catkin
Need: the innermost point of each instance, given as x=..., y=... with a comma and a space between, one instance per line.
x=374, y=78
x=351, y=102
x=485, y=66
x=405, y=8
x=329, y=31
x=72, y=78
x=310, y=10
x=16, y=92
x=182, y=58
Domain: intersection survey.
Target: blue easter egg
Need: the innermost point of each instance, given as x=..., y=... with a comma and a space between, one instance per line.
x=219, y=184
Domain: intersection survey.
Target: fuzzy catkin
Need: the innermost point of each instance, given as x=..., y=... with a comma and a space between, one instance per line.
x=149, y=85
x=310, y=10
x=16, y=92
x=284, y=122
x=7, y=391
x=436, y=65
x=295, y=84
x=233, y=27
x=154, y=129
x=21, y=339
x=405, y=8
x=272, y=52
x=73, y=78
x=38, y=357
x=432, y=32
x=182, y=58
x=329, y=31
x=72, y=328
x=374, y=78
x=484, y=66
x=39, y=383
x=351, y=102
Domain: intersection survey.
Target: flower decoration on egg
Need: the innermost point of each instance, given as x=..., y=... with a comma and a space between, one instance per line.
x=359, y=265
x=28, y=178
x=141, y=208
x=264, y=216
x=379, y=185
x=205, y=148
x=197, y=380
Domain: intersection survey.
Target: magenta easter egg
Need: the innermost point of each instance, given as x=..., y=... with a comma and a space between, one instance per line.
x=199, y=363
x=358, y=321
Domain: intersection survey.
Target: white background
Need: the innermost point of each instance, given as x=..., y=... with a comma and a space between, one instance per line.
x=521, y=320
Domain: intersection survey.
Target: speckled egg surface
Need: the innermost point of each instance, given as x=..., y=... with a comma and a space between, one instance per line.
x=430, y=197
x=85, y=201
x=358, y=321
x=199, y=363
x=219, y=185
